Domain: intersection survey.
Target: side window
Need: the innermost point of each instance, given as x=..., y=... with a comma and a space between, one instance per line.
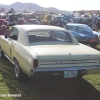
x=77, y=29
x=73, y=28
x=14, y=33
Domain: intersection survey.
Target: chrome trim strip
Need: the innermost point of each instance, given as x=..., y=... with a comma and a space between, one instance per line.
x=89, y=69
x=65, y=68
x=69, y=63
x=82, y=61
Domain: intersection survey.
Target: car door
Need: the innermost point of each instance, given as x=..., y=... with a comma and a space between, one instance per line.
x=11, y=41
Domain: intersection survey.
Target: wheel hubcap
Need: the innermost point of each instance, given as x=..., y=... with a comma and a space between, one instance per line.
x=17, y=70
x=0, y=52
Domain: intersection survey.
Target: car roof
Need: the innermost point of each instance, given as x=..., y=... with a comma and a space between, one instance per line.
x=38, y=27
x=25, y=28
x=76, y=24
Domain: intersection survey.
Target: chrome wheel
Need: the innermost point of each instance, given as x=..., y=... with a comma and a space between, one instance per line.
x=17, y=71
x=0, y=52
x=20, y=75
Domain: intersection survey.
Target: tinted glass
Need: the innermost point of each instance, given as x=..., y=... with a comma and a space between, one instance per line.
x=42, y=36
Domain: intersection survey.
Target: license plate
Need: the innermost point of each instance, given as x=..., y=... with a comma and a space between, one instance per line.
x=92, y=40
x=68, y=74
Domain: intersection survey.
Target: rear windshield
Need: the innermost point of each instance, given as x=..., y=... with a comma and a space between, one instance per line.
x=42, y=36
x=79, y=28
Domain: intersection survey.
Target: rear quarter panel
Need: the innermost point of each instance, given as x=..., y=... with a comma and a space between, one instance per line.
x=24, y=56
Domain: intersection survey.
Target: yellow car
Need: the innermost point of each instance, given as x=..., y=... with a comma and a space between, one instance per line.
x=47, y=51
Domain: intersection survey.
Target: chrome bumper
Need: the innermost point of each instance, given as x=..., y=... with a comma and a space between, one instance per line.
x=84, y=69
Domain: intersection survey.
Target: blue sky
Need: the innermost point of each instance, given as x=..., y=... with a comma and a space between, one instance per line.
x=62, y=4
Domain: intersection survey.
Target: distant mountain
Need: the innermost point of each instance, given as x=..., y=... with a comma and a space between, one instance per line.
x=18, y=6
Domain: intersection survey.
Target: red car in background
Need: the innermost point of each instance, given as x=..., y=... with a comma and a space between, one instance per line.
x=4, y=27
x=31, y=19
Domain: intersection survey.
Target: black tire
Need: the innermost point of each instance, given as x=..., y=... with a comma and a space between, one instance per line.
x=2, y=56
x=79, y=76
x=20, y=75
x=93, y=45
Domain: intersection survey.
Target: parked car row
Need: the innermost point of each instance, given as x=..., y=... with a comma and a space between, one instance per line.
x=82, y=32
x=58, y=21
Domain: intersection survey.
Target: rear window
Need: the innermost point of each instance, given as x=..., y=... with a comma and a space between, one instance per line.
x=79, y=28
x=67, y=27
x=42, y=36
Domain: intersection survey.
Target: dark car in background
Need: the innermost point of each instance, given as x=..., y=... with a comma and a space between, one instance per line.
x=68, y=18
x=58, y=21
x=98, y=23
x=15, y=18
x=83, y=20
x=32, y=21
x=12, y=19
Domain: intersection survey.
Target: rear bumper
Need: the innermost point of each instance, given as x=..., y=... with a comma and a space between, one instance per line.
x=85, y=70
x=88, y=42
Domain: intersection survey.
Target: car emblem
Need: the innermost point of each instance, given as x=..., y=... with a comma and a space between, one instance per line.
x=71, y=62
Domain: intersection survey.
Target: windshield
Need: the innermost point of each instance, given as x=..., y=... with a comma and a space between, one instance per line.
x=42, y=36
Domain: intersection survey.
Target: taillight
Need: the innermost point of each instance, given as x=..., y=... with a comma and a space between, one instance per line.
x=99, y=60
x=92, y=40
x=35, y=63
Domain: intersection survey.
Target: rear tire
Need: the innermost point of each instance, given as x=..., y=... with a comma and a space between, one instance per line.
x=2, y=56
x=93, y=45
x=79, y=76
x=20, y=75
